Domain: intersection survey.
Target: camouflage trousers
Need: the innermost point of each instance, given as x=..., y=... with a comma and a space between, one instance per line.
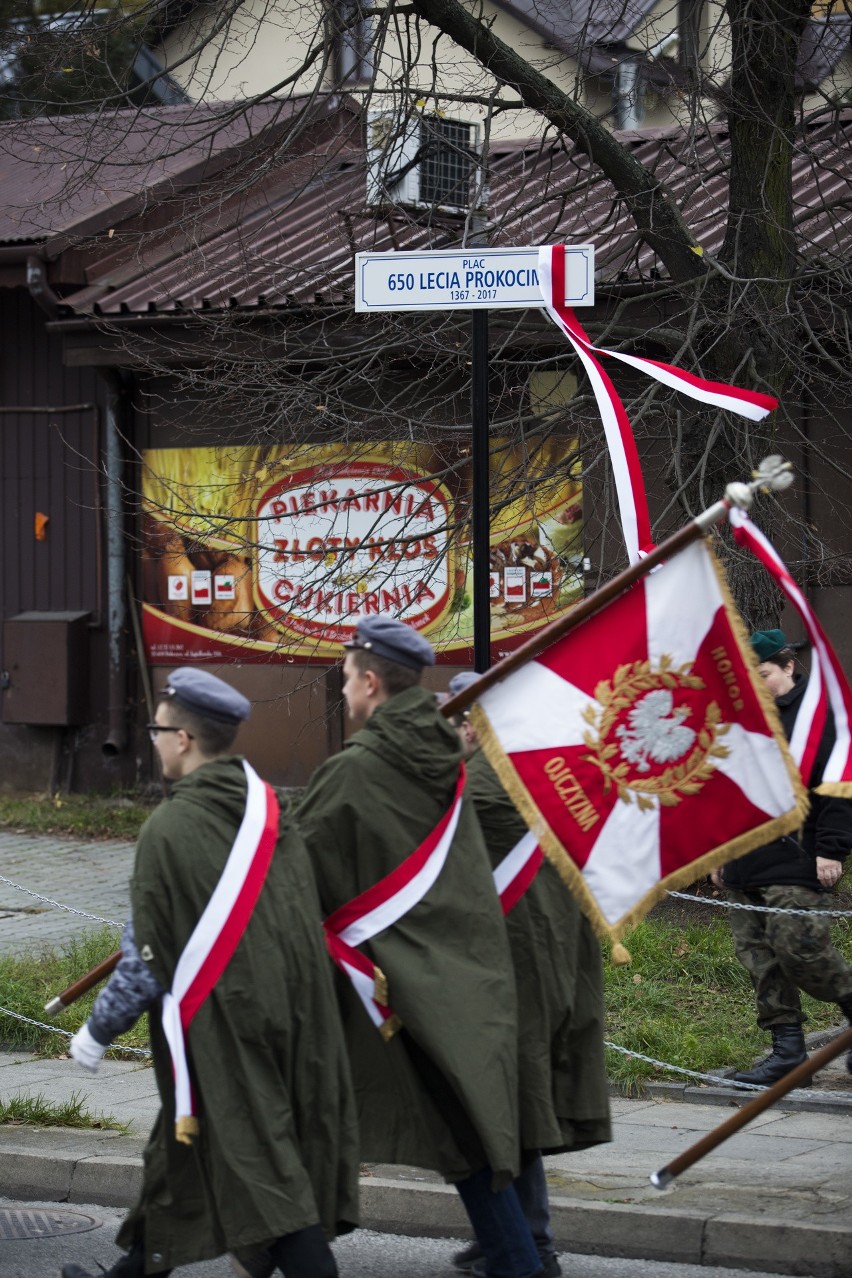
x=785, y=953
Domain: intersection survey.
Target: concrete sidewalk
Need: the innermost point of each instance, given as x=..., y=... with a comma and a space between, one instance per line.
x=90, y=877
x=776, y=1197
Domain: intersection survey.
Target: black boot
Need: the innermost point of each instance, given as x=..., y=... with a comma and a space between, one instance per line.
x=845, y=1006
x=788, y=1051
x=130, y=1265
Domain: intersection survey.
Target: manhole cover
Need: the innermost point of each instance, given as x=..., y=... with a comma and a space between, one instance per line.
x=42, y=1222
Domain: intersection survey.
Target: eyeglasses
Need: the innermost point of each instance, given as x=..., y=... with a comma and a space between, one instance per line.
x=154, y=728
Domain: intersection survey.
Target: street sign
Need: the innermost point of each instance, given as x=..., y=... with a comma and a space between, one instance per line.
x=470, y=279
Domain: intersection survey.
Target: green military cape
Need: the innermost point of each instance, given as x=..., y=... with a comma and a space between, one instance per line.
x=447, y=960
x=559, y=972
x=277, y=1149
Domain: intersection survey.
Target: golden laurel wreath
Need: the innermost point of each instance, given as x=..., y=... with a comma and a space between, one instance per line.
x=674, y=782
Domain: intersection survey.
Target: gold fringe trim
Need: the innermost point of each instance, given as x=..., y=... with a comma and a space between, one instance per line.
x=381, y=994
x=566, y=868
x=390, y=1027
x=380, y=986
x=186, y=1129
x=837, y=789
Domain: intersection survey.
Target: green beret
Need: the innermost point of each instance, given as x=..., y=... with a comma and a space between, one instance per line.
x=768, y=643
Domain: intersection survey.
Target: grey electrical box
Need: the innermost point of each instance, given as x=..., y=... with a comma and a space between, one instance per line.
x=46, y=668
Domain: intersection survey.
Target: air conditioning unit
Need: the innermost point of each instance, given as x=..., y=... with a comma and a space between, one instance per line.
x=422, y=161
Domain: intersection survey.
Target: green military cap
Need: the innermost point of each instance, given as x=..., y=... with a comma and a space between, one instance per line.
x=768, y=643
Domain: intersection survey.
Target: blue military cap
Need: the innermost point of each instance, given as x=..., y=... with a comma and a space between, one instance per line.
x=767, y=643
x=463, y=680
x=205, y=695
x=393, y=640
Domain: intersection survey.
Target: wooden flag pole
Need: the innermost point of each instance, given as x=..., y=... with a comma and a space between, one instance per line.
x=714, y=1138
x=79, y=988
x=774, y=473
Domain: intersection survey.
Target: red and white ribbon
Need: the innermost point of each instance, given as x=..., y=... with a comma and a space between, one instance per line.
x=218, y=932
x=827, y=685
x=517, y=870
x=630, y=486
x=384, y=904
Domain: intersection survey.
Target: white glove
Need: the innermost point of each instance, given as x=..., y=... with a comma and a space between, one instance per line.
x=85, y=1050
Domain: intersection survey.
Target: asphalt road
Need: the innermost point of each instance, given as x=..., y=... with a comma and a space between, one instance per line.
x=361, y=1255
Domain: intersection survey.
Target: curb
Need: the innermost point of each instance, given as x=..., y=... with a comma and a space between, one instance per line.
x=687, y=1236
x=801, y=1101
x=664, y=1232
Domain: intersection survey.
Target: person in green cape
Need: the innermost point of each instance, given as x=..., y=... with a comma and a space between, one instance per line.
x=433, y=1049
x=256, y=1143
x=564, y=1092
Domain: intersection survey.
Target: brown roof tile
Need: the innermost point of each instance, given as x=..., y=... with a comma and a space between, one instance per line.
x=297, y=243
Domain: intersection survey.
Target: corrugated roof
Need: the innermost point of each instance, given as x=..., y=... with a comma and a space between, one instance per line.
x=64, y=175
x=295, y=246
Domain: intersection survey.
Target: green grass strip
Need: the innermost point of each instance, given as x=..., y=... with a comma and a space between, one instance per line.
x=31, y=979
x=686, y=999
x=83, y=816
x=37, y=1111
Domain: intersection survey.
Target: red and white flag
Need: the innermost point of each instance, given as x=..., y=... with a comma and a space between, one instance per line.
x=641, y=747
x=827, y=685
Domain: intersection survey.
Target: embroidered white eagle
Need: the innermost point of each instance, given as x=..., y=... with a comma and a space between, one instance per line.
x=656, y=733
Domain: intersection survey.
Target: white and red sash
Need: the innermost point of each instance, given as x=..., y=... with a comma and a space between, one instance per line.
x=517, y=870
x=217, y=935
x=382, y=905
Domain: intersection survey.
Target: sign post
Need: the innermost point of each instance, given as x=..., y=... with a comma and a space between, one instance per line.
x=479, y=280
x=480, y=513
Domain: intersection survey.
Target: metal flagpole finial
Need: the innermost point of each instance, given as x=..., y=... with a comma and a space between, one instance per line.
x=774, y=474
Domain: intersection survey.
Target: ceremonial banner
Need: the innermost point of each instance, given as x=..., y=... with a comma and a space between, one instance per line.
x=642, y=748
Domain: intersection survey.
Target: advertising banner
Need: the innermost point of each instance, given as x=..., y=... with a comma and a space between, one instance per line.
x=273, y=554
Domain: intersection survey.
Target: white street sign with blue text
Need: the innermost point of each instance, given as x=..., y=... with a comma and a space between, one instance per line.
x=466, y=279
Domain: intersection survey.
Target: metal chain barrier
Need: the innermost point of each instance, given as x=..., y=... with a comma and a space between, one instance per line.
x=716, y=1079
x=758, y=909
x=58, y=905
x=96, y=918
x=681, y=896
x=54, y=1029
